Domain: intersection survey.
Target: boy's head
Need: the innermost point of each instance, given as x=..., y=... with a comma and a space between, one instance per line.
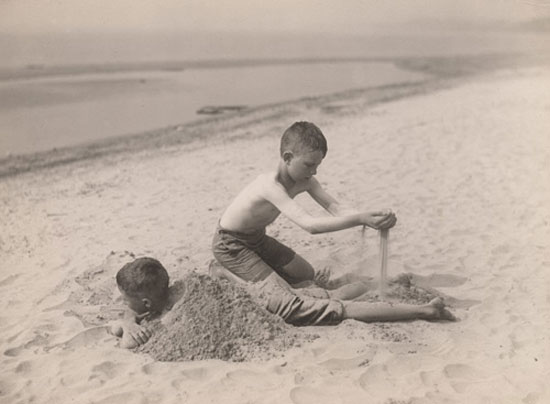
x=144, y=285
x=303, y=148
x=303, y=137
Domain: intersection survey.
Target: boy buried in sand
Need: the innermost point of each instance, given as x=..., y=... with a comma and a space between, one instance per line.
x=247, y=254
x=143, y=284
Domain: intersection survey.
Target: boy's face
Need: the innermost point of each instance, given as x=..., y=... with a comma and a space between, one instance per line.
x=138, y=305
x=302, y=166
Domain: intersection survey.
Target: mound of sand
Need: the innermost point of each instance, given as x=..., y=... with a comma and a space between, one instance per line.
x=215, y=319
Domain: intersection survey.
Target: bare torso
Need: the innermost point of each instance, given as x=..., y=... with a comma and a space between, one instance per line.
x=250, y=210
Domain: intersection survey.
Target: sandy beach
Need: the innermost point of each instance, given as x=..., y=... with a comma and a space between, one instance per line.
x=464, y=165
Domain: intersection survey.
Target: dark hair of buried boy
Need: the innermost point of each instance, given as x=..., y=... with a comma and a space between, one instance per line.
x=303, y=137
x=144, y=277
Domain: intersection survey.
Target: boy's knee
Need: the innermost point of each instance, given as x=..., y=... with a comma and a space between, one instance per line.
x=299, y=270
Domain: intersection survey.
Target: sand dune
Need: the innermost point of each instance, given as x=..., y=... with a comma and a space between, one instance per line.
x=466, y=168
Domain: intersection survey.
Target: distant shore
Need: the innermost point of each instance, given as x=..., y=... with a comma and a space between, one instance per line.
x=440, y=71
x=436, y=65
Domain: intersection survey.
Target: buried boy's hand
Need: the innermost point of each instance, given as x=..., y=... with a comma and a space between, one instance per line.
x=322, y=277
x=135, y=335
x=385, y=219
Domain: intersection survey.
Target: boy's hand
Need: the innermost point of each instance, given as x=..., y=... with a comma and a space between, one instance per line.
x=322, y=277
x=379, y=220
x=137, y=333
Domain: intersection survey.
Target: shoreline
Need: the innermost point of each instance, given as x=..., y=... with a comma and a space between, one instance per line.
x=37, y=71
x=46, y=71
x=441, y=72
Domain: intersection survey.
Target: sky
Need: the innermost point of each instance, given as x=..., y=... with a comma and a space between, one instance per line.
x=307, y=16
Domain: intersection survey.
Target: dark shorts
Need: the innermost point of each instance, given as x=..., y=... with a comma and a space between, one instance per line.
x=252, y=257
x=260, y=259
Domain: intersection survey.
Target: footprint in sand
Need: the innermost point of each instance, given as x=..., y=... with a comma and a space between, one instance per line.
x=250, y=379
x=109, y=369
x=9, y=280
x=312, y=395
x=197, y=374
x=104, y=372
x=429, y=378
x=376, y=379
x=126, y=397
x=6, y=388
x=462, y=371
x=155, y=368
x=39, y=340
x=24, y=367
x=348, y=364
x=13, y=352
x=391, y=379
x=180, y=384
x=462, y=376
x=443, y=344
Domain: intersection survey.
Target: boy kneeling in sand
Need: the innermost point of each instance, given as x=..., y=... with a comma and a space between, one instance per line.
x=247, y=254
x=143, y=284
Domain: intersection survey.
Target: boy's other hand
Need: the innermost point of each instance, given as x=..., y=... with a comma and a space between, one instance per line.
x=384, y=219
x=137, y=333
x=322, y=277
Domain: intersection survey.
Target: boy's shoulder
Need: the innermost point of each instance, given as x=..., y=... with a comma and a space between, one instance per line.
x=268, y=184
x=264, y=187
x=264, y=182
x=267, y=177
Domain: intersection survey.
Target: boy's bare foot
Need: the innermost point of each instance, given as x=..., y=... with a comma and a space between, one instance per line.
x=436, y=310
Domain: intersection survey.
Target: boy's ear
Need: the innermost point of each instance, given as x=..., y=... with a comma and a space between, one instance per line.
x=288, y=156
x=146, y=303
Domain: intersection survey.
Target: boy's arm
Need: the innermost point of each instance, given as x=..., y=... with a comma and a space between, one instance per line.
x=334, y=207
x=328, y=202
x=277, y=195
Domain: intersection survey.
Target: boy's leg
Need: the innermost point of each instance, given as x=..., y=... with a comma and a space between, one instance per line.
x=217, y=270
x=292, y=266
x=348, y=292
x=372, y=312
x=299, y=273
x=295, y=307
x=238, y=259
x=284, y=260
x=241, y=263
x=298, y=309
x=350, y=278
x=298, y=270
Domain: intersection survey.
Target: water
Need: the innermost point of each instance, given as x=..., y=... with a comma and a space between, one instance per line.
x=43, y=113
